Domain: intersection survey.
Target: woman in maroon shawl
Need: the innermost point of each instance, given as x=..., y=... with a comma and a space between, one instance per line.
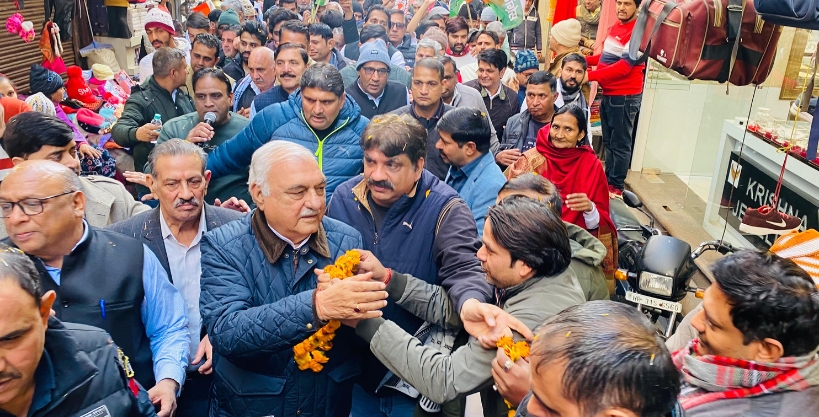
x=562, y=155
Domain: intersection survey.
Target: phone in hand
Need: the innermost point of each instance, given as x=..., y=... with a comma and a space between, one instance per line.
x=506, y=146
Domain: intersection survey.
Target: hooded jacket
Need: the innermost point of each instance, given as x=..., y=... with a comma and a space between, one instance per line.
x=339, y=154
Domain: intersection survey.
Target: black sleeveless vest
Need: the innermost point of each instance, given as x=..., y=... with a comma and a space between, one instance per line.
x=106, y=269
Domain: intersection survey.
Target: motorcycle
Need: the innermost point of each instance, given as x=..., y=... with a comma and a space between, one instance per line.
x=654, y=270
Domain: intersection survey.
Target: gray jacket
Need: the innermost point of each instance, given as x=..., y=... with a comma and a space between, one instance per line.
x=147, y=228
x=527, y=35
x=469, y=97
x=468, y=369
x=587, y=255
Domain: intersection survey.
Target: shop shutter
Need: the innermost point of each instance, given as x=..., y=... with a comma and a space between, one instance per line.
x=17, y=56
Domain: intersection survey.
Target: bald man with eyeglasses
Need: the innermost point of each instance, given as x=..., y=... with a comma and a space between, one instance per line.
x=100, y=278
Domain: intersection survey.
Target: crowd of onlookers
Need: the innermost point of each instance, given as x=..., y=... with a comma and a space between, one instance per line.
x=437, y=149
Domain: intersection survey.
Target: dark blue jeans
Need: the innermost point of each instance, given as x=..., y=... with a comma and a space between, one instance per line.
x=617, y=114
x=395, y=405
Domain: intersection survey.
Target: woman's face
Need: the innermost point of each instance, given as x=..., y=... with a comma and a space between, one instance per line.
x=6, y=90
x=564, y=132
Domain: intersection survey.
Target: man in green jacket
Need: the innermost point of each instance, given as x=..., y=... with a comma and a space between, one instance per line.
x=587, y=251
x=212, y=94
x=159, y=94
x=526, y=256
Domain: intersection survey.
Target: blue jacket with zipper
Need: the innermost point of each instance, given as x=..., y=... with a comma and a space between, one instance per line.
x=255, y=309
x=339, y=154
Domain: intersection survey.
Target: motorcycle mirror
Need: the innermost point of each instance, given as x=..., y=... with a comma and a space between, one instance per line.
x=632, y=200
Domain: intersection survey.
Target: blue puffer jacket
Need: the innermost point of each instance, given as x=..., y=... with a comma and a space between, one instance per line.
x=255, y=312
x=339, y=154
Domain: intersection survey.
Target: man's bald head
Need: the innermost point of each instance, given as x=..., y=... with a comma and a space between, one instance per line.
x=262, y=65
x=43, y=207
x=44, y=172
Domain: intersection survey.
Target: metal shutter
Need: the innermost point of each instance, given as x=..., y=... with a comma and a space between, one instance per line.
x=17, y=56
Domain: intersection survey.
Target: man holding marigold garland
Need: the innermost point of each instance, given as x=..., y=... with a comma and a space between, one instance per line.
x=259, y=296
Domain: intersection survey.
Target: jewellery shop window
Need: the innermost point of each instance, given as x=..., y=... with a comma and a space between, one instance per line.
x=735, y=158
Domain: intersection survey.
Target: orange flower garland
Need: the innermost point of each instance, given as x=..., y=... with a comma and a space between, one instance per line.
x=309, y=354
x=514, y=350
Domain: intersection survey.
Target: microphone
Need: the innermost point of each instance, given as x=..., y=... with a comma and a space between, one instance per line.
x=210, y=117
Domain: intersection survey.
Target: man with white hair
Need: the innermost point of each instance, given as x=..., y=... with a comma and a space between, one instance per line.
x=427, y=48
x=503, y=40
x=234, y=5
x=259, y=295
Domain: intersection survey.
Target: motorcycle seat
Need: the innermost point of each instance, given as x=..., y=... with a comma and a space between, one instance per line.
x=623, y=217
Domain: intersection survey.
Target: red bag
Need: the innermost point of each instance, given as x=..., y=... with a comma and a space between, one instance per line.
x=714, y=40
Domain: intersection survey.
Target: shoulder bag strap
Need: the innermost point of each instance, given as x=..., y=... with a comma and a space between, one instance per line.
x=640, y=29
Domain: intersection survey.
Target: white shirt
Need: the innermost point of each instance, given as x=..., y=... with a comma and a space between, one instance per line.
x=289, y=242
x=470, y=72
x=186, y=269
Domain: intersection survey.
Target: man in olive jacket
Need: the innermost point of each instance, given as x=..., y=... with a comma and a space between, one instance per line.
x=526, y=256
x=159, y=94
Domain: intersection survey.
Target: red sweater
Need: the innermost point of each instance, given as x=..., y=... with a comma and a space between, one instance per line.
x=615, y=71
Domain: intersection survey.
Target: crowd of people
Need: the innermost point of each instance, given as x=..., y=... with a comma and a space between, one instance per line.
x=434, y=147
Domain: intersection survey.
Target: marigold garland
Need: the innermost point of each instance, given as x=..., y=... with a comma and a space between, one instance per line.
x=514, y=350
x=309, y=354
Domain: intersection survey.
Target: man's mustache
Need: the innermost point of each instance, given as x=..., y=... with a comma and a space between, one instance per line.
x=381, y=184
x=181, y=201
x=10, y=375
x=308, y=213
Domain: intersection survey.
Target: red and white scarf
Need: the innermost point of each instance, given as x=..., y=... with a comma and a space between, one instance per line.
x=709, y=378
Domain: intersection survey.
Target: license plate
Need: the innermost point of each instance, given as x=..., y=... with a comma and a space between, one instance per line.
x=653, y=302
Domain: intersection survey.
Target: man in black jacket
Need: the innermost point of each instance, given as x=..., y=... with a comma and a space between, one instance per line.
x=373, y=92
x=55, y=369
x=100, y=278
x=427, y=107
x=160, y=94
x=501, y=100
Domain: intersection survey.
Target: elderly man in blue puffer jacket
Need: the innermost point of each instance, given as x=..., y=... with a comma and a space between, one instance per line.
x=259, y=295
x=320, y=117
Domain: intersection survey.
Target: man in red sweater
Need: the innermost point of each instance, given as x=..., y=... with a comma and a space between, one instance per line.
x=622, y=83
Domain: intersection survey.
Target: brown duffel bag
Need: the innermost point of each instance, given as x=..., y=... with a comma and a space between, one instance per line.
x=714, y=40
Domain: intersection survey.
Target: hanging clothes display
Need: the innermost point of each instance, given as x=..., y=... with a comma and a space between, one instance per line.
x=63, y=14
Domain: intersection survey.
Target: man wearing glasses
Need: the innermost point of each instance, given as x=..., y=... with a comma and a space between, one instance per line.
x=373, y=92
x=34, y=135
x=400, y=39
x=101, y=278
x=212, y=93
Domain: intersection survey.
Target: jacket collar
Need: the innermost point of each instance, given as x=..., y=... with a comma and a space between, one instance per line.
x=63, y=361
x=535, y=281
x=273, y=246
x=501, y=92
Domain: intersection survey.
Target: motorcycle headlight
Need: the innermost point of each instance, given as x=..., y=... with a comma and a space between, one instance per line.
x=656, y=284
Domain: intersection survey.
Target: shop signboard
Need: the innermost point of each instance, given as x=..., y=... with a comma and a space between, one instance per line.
x=750, y=186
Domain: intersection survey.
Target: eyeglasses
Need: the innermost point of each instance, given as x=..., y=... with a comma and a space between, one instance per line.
x=30, y=206
x=380, y=71
x=397, y=25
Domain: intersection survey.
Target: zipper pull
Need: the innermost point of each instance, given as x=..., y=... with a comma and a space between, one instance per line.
x=376, y=239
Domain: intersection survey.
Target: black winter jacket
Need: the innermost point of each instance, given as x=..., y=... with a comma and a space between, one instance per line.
x=86, y=377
